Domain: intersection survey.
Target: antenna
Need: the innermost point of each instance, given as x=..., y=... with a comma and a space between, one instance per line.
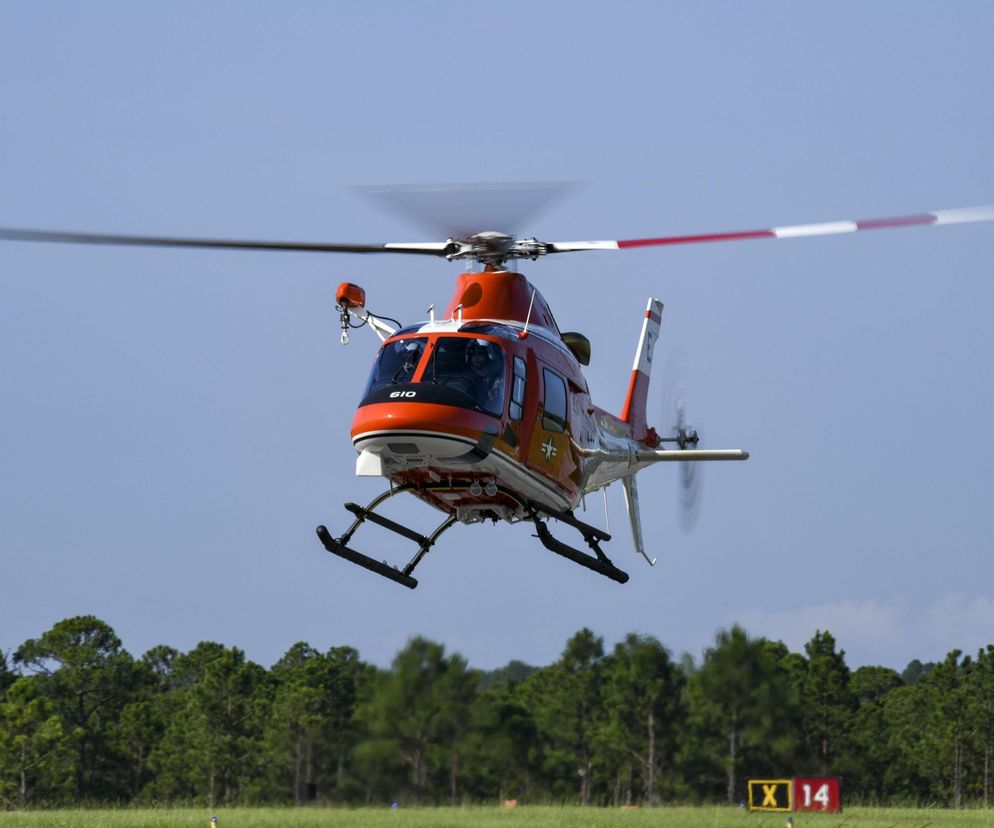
x=528, y=317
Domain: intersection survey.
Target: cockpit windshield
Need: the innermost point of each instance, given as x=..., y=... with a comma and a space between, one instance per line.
x=396, y=363
x=474, y=367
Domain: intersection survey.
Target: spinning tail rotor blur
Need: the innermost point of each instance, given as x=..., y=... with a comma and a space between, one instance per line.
x=678, y=433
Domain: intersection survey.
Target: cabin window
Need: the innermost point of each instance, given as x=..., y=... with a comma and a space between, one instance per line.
x=518, y=389
x=473, y=367
x=396, y=363
x=554, y=413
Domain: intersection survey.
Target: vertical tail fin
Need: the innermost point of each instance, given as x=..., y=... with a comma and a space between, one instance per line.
x=632, y=505
x=633, y=411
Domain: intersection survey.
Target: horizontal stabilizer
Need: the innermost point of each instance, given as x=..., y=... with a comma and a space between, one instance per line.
x=690, y=455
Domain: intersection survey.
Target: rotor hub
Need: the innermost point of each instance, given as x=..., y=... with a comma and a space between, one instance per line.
x=492, y=247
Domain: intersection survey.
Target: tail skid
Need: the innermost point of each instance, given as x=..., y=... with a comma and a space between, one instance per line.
x=644, y=458
x=632, y=505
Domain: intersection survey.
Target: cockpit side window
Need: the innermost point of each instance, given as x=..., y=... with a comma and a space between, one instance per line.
x=517, y=407
x=554, y=412
x=474, y=367
x=396, y=363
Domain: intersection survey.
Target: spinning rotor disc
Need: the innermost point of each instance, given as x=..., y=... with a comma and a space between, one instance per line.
x=464, y=211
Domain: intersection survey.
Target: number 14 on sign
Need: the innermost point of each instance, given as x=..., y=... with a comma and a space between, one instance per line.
x=819, y=794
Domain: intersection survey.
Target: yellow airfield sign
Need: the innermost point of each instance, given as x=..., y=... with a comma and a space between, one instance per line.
x=771, y=795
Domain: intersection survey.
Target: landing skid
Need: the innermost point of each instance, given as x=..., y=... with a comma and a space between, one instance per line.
x=591, y=534
x=598, y=562
x=339, y=546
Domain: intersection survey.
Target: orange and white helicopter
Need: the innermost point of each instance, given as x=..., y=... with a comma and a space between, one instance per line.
x=483, y=411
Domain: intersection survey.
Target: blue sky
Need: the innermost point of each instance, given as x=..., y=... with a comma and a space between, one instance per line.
x=175, y=423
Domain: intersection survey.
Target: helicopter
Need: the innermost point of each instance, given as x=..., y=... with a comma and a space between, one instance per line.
x=483, y=412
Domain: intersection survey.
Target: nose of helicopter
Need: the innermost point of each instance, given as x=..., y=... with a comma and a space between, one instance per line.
x=408, y=431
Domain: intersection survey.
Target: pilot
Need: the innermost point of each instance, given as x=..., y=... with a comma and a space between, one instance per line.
x=486, y=368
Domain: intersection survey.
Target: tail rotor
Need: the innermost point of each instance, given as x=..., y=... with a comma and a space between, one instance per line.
x=678, y=433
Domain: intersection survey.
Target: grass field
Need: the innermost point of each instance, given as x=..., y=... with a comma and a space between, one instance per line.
x=492, y=817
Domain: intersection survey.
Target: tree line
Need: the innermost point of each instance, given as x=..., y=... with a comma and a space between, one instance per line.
x=84, y=722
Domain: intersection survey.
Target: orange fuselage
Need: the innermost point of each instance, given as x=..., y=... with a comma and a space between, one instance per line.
x=480, y=400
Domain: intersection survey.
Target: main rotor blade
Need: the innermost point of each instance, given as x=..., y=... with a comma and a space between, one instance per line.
x=961, y=215
x=426, y=249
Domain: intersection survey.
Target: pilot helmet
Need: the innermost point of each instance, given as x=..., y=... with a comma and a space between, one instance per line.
x=481, y=346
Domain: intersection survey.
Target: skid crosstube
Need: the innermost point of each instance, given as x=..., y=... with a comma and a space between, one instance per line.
x=340, y=547
x=591, y=534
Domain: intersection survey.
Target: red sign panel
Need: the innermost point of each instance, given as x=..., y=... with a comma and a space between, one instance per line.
x=817, y=794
